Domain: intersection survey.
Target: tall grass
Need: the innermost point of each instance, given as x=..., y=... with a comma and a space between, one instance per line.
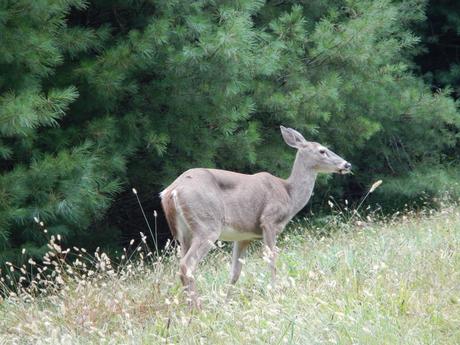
x=391, y=282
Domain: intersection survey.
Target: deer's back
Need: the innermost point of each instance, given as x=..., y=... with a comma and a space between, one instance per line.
x=232, y=200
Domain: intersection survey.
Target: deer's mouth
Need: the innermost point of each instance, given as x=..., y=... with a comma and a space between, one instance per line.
x=344, y=171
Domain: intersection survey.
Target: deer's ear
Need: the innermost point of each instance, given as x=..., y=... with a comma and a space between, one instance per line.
x=292, y=137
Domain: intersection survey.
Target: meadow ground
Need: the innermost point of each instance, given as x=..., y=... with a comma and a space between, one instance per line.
x=392, y=282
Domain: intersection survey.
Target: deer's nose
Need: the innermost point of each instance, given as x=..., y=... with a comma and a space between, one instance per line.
x=347, y=166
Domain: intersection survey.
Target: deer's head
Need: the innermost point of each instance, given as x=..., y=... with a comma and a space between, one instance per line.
x=314, y=155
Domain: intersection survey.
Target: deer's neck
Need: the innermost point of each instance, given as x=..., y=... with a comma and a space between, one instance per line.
x=300, y=183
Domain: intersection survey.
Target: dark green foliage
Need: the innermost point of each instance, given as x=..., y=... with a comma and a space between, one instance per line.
x=440, y=60
x=43, y=174
x=151, y=88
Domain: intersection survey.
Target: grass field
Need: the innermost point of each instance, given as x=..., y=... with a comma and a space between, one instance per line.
x=394, y=282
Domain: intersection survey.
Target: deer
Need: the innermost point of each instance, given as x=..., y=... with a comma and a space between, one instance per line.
x=205, y=205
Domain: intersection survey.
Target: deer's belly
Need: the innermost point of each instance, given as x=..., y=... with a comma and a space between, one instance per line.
x=230, y=234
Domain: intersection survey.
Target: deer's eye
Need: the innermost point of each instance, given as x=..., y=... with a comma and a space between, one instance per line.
x=323, y=152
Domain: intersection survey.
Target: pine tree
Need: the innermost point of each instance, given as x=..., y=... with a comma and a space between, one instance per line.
x=208, y=83
x=152, y=88
x=41, y=176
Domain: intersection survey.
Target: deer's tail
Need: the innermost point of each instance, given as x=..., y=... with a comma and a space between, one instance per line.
x=169, y=203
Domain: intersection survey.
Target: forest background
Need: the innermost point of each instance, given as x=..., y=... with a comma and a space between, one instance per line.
x=98, y=97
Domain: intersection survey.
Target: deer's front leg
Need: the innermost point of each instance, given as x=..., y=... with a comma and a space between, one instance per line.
x=239, y=250
x=270, y=252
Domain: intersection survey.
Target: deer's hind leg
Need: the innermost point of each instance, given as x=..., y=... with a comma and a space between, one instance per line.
x=200, y=246
x=202, y=219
